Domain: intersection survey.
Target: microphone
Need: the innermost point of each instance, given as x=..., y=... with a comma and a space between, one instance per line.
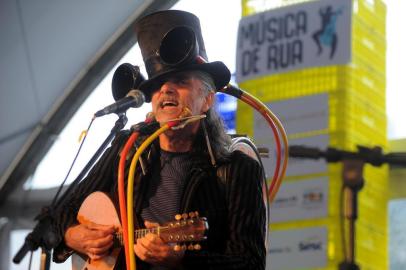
x=134, y=98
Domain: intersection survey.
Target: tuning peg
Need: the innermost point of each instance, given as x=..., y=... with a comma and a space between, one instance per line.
x=178, y=216
x=196, y=214
x=177, y=248
x=197, y=247
x=192, y=214
x=190, y=247
x=184, y=247
x=184, y=216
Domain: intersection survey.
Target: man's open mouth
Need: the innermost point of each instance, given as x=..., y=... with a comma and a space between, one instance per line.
x=169, y=103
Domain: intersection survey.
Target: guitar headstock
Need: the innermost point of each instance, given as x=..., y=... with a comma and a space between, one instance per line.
x=186, y=228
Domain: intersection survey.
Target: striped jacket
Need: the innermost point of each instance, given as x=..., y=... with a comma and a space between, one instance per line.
x=230, y=198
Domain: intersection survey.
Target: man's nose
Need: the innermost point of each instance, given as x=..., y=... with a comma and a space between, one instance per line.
x=167, y=87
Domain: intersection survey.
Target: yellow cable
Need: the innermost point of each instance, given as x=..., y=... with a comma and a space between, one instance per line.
x=172, y=124
x=82, y=135
x=130, y=191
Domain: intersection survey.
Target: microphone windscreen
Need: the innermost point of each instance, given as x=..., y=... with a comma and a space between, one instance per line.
x=126, y=77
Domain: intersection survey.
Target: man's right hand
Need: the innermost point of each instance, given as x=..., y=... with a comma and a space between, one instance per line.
x=91, y=239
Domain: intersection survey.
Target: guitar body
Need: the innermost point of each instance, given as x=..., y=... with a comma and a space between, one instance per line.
x=97, y=208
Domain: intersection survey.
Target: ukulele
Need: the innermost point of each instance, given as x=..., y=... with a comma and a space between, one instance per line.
x=98, y=208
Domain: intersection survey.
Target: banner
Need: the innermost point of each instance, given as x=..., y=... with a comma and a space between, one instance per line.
x=298, y=249
x=312, y=34
x=298, y=115
x=300, y=200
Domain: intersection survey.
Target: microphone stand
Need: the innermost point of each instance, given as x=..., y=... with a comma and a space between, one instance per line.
x=353, y=181
x=43, y=234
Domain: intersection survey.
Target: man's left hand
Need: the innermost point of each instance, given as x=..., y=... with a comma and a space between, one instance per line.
x=152, y=249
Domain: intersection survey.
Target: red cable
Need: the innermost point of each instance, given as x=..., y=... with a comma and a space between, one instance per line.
x=121, y=193
x=258, y=107
x=121, y=188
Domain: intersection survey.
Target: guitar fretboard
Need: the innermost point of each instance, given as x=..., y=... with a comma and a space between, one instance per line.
x=140, y=233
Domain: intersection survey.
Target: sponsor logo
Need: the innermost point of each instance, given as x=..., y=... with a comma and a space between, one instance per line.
x=280, y=250
x=285, y=201
x=313, y=197
x=311, y=244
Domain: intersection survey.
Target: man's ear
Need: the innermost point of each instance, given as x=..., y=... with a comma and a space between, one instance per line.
x=208, y=102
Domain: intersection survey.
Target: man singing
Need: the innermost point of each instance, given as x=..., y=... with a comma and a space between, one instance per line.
x=188, y=169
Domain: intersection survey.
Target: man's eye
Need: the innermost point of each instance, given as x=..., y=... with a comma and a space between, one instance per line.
x=181, y=81
x=184, y=81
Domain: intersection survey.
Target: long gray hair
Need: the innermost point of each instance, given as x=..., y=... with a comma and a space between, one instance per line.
x=219, y=140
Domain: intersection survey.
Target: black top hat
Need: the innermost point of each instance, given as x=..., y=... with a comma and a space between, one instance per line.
x=171, y=41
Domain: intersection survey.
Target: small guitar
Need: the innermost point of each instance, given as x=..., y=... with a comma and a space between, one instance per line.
x=98, y=208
